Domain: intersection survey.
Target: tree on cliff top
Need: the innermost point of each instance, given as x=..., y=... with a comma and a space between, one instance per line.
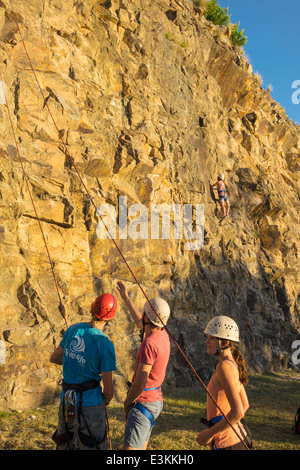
x=218, y=15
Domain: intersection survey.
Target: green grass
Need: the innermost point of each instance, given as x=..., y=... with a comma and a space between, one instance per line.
x=172, y=38
x=273, y=399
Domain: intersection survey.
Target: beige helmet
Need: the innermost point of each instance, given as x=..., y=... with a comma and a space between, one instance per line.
x=161, y=307
x=221, y=176
x=223, y=327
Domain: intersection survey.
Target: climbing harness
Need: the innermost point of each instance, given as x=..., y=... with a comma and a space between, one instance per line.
x=212, y=422
x=145, y=389
x=137, y=405
x=73, y=414
x=45, y=101
x=244, y=430
x=222, y=197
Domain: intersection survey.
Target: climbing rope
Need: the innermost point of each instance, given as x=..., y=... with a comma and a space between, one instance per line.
x=61, y=306
x=108, y=429
x=115, y=243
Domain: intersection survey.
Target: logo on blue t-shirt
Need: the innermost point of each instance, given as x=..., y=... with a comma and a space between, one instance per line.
x=76, y=346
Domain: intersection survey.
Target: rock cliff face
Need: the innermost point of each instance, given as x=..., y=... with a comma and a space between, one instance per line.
x=150, y=101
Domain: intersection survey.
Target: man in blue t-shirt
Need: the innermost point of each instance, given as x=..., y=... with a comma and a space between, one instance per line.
x=87, y=357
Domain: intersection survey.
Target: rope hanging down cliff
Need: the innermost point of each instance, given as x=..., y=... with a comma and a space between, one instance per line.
x=116, y=245
x=60, y=306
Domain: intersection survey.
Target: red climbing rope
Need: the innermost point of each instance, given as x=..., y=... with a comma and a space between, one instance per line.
x=116, y=245
x=61, y=307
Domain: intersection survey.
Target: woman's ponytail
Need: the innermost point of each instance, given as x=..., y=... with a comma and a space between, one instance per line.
x=239, y=359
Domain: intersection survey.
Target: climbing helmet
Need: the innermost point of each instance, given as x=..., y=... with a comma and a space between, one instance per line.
x=104, y=307
x=223, y=327
x=161, y=307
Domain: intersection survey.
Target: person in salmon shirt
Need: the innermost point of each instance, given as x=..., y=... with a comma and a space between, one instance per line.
x=227, y=387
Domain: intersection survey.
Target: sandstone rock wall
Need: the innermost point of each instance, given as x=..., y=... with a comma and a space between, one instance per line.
x=151, y=101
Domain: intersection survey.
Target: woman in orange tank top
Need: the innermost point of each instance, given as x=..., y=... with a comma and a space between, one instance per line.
x=226, y=386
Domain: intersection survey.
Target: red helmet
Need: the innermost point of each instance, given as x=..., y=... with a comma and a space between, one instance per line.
x=104, y=306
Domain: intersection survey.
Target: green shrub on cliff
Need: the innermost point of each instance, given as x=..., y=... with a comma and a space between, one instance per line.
x=218, y=15
x=237, y=37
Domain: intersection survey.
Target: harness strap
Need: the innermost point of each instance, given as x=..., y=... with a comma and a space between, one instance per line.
x=89, y=441
x=81, y=387
x=67, y=436
x=145, y=412
x=145, y=389
x=219, y=418
x=215, y=420
x=212, y=422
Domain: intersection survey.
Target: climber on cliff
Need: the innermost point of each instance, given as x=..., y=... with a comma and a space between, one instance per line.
x=144, y=401
x=87, y=357
x=223, y=196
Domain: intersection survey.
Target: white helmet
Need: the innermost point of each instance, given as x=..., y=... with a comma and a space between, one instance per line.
x=161, y=307
x=223, y=327
x=221, y=176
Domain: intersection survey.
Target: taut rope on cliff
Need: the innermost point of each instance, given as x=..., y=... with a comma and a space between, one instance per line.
x=116, y=245
x=60, y=306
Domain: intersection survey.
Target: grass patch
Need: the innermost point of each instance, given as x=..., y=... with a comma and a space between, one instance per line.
x=273, y=399
x=172, y=38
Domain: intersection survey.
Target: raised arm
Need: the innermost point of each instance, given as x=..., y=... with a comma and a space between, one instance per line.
x=136, y=316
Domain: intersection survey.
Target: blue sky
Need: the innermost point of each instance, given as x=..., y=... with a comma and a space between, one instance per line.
x=273, y=47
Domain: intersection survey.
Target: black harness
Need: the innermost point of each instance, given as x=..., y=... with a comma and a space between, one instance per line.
x=68, y=413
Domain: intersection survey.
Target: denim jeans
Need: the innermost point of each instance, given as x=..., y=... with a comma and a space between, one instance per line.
x=138, y=427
